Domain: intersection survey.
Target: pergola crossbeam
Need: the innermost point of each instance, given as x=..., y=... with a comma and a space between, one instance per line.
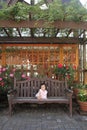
x=39, y=40
x=41, y=24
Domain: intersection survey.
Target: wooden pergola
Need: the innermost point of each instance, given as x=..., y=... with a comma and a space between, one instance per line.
x=78, y=29
x=74, y=33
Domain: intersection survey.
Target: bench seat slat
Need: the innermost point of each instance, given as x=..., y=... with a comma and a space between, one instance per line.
x=33, y=100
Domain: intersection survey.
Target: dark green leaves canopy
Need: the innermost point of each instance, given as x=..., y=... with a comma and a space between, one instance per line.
x=57, y=10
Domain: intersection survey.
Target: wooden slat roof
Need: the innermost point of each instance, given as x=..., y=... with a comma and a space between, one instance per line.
x=41, y=24
x=63, y=32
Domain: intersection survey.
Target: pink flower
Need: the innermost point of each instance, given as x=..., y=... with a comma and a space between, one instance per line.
x=23, y=75
x=14, y=70
x=60, y=65
x=4, y=69
x=11, y=75
x=0, y=69
x=0, y=79
x=27, y=77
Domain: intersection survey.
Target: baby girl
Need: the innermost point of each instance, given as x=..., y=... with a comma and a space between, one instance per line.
x=42, y=93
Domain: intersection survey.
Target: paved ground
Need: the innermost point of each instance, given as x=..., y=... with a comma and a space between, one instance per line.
x=52, y=117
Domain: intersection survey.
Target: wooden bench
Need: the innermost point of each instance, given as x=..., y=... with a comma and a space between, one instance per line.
x=24, y=92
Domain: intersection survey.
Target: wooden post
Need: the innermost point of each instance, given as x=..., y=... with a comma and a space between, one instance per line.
x=3, y=55
x=84, y=63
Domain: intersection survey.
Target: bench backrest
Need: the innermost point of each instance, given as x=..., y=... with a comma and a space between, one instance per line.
x=29, y=88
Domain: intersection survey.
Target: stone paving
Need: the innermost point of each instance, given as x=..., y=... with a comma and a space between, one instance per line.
x=41, y=117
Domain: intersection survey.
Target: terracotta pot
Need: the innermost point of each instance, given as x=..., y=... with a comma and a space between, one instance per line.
x=76, y=91
x=83, y=106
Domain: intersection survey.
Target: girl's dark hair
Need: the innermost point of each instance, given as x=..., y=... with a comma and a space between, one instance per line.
x=43, y=84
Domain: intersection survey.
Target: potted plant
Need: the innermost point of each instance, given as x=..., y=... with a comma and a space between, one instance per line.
x=77, y=87
x=82, y=100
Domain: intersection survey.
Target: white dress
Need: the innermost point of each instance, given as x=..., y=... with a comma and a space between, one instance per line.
x=42, y=94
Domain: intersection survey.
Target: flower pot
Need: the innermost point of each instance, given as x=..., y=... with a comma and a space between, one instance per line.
x=76, y=91
x=83, y=106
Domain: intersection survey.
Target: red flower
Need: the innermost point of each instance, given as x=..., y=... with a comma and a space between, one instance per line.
x=67, y=67
x=27, y=77
x=2, y=84
x=74, y=67
x=60, y=66
x=68, y=76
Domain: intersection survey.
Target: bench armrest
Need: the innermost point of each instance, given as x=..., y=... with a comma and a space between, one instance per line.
x=12, y=91
x=68, y=90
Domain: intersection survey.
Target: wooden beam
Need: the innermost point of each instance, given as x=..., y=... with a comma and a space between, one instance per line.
x=18, y=31
x=6, y=32
x=38, y=40
x=43, y=24
x=82, y=32
x=69, y=32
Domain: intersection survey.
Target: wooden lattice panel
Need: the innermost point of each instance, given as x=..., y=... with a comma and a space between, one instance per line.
x=39, y=57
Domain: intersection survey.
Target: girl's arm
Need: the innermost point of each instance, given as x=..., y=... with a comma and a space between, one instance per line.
x=38, y=95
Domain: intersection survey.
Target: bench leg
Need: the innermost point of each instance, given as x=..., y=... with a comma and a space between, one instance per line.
x=10, y=108
x=70, y=107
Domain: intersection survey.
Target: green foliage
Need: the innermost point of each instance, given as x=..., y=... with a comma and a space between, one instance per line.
x=75, y=11
x=7, y=74
x=17, y=12
x=54, y=12
x=67, y=71
x=5, y=79
x=80, y=86
x=71, y=11
x=2, y=14
x=82, y=96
